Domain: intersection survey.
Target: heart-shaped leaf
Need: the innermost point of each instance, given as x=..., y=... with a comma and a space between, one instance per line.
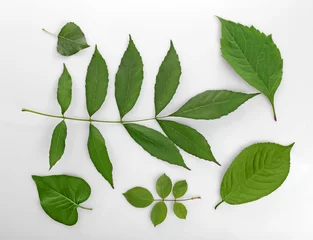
x=256, y=172
x=254, y=56
x=180, y=210
x=164, y=186
x=139, y=197
x=212, y=104
x=180, y=188
x=61, y=195
x=64, y=93
x=57, y=145
x=158, y=213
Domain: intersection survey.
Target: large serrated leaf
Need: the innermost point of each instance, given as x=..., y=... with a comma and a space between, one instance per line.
x=256, y=172
x=167, y=80
x=164, y=186
x=156, y=144
x=128, y=79
x=212, y=104
x=64, y=92
x=139, y=197
x=61, y=195
x=254, y=56
x=99, y=154
x=57, y=145
x=188, y=139
x=158, y=213
x=97, y=81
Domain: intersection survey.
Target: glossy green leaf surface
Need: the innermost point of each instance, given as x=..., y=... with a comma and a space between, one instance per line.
x=254, y=56
x=256, y=172
x=97, y=81
x=156, y=144
x=158, y=213
x=167, y=80
x=212, y=104
x=188, y=139
x=180, y=188
x=61, y=195
x=71, y=40
x=99, y=155
x=128, y=79
x=139, y=197
x=64, y=92
x=164, y=186
x=180, y=210
x=57, y=145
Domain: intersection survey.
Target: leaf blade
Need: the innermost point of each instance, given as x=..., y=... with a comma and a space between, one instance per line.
x=180, y=188
x=64, y=92
x=57, y=145
x=164, y=186
x=180, y=210
x=158, y=213
x=139, y=197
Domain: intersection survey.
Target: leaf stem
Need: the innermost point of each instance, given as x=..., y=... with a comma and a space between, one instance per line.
x=177, y=200
x=274, y=111
x=49, y=32
x=218, y=204
x=86, y=208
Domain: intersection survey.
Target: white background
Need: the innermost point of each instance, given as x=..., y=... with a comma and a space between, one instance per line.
x=30, y=68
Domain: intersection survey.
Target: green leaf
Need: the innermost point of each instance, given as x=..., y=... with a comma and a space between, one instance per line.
x=65, y=90
x=188, y=139
x=97, y=81
x=180, y=188
x=156, y=144
x=256, y=172
x=158, y=213
x=212, y=104
x=71, y=40
x=254, y=56
x=61, y=195
x=99, y=154
x=57, y=145
x=167, y=80
x=139, y=197
x=128, y=79
x=180, y=210
x=164, y=186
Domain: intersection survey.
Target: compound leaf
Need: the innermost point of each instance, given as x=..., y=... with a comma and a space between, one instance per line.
x=156, y=144
x=212, y=104
x=128, y=79
x=256, y=172
x=254, y=56
x=180, y=188
x=164, y=186
x=97, y=80
x=158, y=213
x=57, y=145
x=180, y=210
x=61, y=195
x=64, y=93
x=99, y=154
x=167, y=80
x=139, y=197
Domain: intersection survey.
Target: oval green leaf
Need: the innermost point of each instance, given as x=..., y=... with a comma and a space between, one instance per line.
x=180, y=210
x=180, y=188
x=256, y=172
x=167, y=80
x=212, y=104
x=64, y=93
x=156, y=144
x=61, y=195
x=254, y=56
x=128, y=79
x=99, y=155
x=97, y=81
x=139, y=197
x=158, y=213
x=57, y=145
x=164, y=186
x=188, y=139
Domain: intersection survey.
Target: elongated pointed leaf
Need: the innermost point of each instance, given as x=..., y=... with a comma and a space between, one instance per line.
x=212, y=104
x=139, y=197
x=254, y=56
x=65, y=90
x=97, y=81
x=180, y=210
x=156, y=144
x=164, y=186
x=180, y=188
x=61, y=195
x=99, y=155
x=128, y=79
x=256, y=172
x=167, y=80
x=158, y=213
x=57, y=145
x=71, y=40
x=188, y=139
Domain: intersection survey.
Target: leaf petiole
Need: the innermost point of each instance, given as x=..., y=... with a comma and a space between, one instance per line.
x=86, y=208
x=49, y=32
